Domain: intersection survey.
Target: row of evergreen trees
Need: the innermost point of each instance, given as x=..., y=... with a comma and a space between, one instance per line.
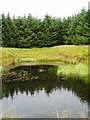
x=26, y=32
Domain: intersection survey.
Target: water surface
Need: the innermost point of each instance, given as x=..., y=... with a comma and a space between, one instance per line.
x=37, y=92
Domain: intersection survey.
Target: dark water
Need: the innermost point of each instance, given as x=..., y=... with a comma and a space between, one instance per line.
x=37, y=92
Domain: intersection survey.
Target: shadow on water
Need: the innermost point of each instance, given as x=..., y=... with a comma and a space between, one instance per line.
x=31, y=79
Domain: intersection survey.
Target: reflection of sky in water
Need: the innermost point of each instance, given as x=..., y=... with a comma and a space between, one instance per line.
x=39, y=105
x=45, y=95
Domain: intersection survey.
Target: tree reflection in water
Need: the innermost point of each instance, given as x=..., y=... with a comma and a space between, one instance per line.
x=31, y=79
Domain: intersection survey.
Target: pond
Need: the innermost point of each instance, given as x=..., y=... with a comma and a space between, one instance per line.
x=37, y=92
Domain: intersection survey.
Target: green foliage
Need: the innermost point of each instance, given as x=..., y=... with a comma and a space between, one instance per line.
x=27, y=32
x=77, y=40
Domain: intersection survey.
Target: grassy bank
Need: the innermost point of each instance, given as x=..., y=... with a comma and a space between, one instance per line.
x=73, y=58
x=79, y=71
x=64, y=54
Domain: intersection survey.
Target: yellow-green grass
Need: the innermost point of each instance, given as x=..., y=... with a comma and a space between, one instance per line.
x=79, y=71
x=67, y=55
x=64, y=54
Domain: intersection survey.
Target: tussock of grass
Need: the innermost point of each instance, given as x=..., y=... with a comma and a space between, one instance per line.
x=0, y=68
x=75, y=71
